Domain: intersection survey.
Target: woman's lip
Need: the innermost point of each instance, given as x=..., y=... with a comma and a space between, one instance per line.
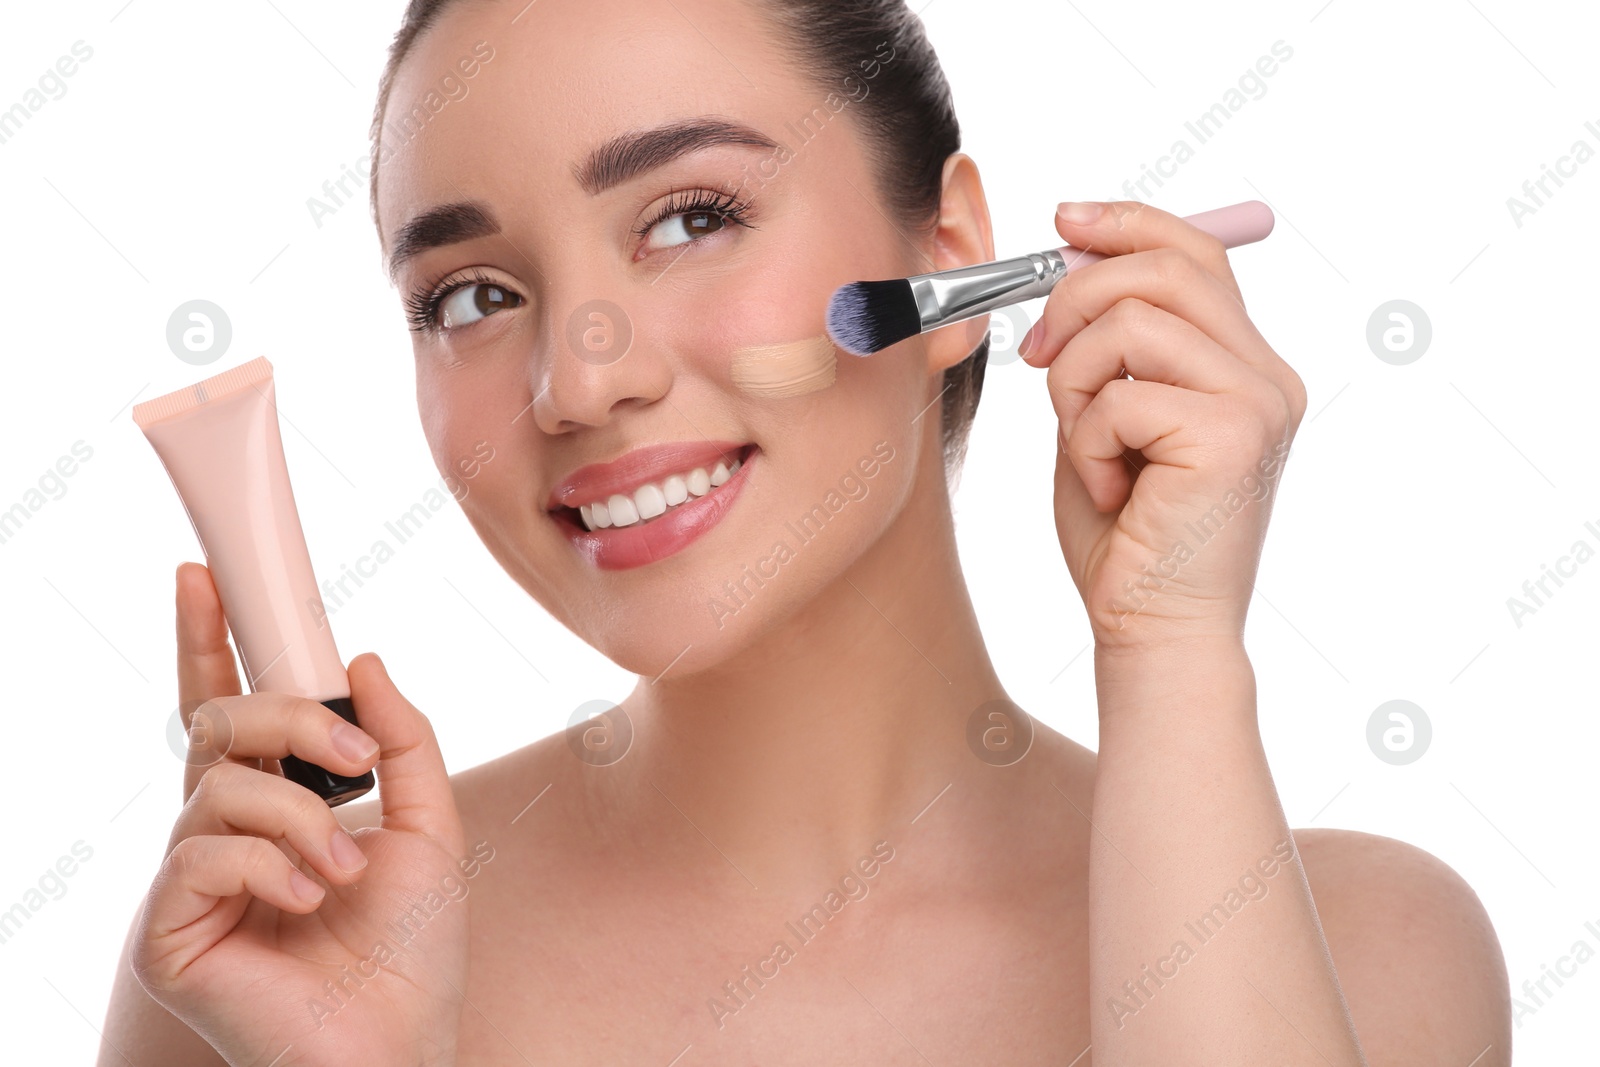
x=651, y=463
x=625, y=547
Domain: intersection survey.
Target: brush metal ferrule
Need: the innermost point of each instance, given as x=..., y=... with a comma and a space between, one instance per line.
x=948, y=296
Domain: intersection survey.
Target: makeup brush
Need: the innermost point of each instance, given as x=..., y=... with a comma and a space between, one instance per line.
x=867, y=317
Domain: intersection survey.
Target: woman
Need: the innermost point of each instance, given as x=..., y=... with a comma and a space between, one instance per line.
x=816, y=831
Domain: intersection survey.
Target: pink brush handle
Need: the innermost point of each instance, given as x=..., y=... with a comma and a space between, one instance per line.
x=1234, y=225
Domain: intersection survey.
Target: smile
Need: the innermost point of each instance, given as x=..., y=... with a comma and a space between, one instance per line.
x=654, y=499
x=624, y=515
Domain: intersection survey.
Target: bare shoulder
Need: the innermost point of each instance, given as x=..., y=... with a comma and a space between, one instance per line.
x=1392, y=912
x=477, y=789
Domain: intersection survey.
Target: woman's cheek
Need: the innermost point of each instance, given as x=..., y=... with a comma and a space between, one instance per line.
x=778, y=296
x=457, y=411
x=433, y=408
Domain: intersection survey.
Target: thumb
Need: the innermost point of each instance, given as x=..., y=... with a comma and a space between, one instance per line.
x=413, y=787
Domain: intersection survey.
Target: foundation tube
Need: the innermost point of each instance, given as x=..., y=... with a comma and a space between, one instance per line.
x=219, y=442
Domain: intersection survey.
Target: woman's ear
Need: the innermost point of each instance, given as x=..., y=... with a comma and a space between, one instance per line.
x=964, y=238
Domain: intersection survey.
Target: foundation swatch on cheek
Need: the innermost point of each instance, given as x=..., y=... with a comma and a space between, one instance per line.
x=795, y=368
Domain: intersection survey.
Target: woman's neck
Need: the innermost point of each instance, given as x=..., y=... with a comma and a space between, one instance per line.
x=838, y=725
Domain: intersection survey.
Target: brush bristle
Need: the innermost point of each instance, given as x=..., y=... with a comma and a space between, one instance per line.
x=867, y=317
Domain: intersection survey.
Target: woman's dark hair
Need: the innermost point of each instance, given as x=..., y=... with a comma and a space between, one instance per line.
x=906, y=113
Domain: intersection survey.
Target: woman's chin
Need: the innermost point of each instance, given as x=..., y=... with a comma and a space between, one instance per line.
x=676, y=644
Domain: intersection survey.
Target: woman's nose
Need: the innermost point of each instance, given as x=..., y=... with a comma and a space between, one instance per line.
x=598, y=361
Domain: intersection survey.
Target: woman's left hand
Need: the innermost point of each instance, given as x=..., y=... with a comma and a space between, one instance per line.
x=1164, y=480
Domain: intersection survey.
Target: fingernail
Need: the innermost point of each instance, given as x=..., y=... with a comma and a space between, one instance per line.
x=346, y=853
x=1080, y=214
x=303, y=887
x=352, y=743
x=1029, y=339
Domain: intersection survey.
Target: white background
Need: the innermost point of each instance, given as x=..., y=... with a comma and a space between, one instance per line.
x=1418, y=498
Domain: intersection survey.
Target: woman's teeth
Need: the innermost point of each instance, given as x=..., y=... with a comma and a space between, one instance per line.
x=655, y=499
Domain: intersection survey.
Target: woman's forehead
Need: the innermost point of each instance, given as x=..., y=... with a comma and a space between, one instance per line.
x=531, y=96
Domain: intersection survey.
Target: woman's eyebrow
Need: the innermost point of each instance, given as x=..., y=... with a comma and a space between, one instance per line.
x=632, y=154
x=444, y=224
x=618, y=160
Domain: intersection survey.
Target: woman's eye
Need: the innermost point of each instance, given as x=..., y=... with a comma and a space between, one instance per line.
x=680, y=229
x=470, y=303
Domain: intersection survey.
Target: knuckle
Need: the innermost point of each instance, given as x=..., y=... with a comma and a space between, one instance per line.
x=1063, y=394
x=210, y=726
x=1244, y=424
x=309, y=817
x=1172, y=266
x=228, y=776
x=1134, y=318
x=1118, y=393
x=1211, y=248
x=1061, y=313
x=213, y=783
x=141, y=964
x=1238, y=410
x=186, y=856
x=1295, y=392
x=1282, y=413
x=261, y=857
x=1126, y=310
x=1107, y=405
x=1073, y=445
x=299, y=715
x=1272, y=407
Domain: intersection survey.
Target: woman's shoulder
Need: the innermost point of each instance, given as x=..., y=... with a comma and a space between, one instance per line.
x=1378, y=895
x=1391, y=911
x=1061, y=764
x=477, y=787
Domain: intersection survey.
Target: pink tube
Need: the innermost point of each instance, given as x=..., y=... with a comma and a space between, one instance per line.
x=1235, y=225
x=219, y=442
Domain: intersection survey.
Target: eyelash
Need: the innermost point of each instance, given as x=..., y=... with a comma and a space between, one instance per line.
x=422, y=306
x=701, y=202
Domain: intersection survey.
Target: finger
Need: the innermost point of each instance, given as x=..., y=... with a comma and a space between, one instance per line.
x=260, y=728
x=206, y=666
x=413, y=785
x=1167, y=278
x=1148, y=417
x=199, y=894
x=236, y=800
x=1152, y=345
x=1119, y=227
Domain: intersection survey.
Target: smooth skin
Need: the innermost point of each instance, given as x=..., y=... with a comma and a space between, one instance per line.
x=772, y=753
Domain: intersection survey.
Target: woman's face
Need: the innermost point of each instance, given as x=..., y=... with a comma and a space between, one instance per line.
x=598, y=314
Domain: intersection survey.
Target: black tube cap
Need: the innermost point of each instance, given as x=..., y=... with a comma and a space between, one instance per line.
x=336, y=789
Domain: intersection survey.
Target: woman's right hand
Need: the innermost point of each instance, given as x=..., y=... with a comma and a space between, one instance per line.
x=253, y=914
